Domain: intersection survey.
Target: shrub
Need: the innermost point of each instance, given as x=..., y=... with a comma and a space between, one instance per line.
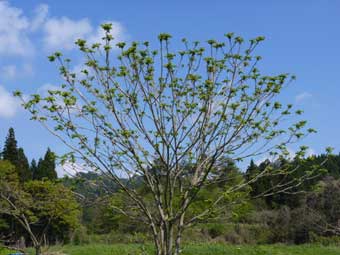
x=216, y=229
x=323, y=240
x=80, y=236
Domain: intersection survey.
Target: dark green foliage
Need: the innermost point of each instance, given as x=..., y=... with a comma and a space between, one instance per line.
x=216, y=230
x=46, y=167
x=16, y=156
x=33, y=167
x=10, y=151
x=23, y=166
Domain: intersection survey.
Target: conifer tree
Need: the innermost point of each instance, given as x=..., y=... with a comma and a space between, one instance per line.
x=22, y=166
x=38, y=174
x=16, y=156
x=49, y=162
x=10, y=151
x=33, y=167
x=46, y=167
x=252, y=170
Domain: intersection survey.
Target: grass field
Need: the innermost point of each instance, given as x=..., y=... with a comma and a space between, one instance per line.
x=198, y=249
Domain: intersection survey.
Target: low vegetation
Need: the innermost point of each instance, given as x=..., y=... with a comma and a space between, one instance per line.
x=196, y=249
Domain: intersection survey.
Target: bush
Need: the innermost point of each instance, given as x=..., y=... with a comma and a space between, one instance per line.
x=234, y=233
x=323, y=240
x=216, y=229
x=248, y=234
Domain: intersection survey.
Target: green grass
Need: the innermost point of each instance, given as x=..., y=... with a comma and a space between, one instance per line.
x=4, y=251
x=199, y=249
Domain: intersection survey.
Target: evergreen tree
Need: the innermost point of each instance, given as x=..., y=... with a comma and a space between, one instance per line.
x=228, y=172
x=16, y=156
x=46, y=167
x=252, y=171
x=10, y=151
x=33, y=168
x=38, y=173
x=22, y=166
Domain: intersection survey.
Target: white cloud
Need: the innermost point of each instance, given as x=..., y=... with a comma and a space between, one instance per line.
x=62, y=33
x=41, y=13
x=14, y=26
x=303, y=96
x=59, y=33
x=8, y=104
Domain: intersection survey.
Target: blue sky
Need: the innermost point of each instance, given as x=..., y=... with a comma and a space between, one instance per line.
x=302, y=37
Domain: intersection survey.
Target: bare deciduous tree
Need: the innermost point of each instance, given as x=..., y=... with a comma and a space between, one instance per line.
x=150, y=113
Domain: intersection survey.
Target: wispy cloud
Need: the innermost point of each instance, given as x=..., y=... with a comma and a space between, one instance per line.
x=14, y=32
x=10, y=72
x=9, y=105
x=41, y=13
x=302, y=96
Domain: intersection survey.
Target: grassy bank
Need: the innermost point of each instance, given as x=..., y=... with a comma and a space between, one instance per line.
x=199, y=249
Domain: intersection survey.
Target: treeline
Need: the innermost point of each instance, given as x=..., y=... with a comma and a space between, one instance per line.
x=83, y=208
x=308, y=212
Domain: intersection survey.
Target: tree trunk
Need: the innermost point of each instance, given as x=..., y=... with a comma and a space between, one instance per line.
x=179, y=235
x=37, y=250
x=165, y=239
